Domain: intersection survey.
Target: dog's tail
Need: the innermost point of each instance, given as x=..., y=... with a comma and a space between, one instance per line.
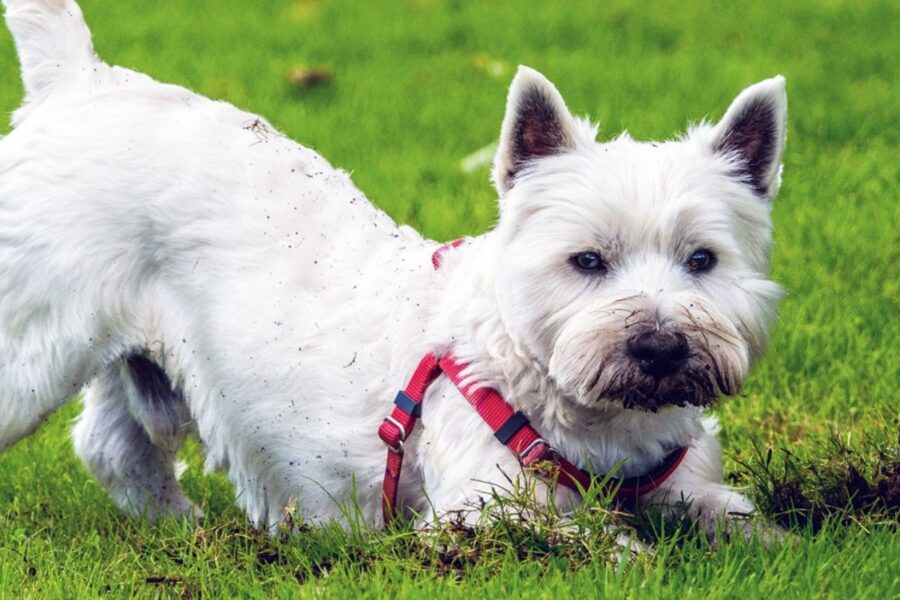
x=53, y=42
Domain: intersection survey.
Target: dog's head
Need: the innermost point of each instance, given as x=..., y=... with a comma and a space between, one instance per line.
x=637, y=273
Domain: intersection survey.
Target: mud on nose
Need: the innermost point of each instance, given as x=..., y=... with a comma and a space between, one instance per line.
x=659, y=353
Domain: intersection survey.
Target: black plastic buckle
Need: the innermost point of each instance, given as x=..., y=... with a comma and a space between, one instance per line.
x=408, y=405
x=512, y=425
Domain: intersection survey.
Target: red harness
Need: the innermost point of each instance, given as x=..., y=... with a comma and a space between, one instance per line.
x=510, y=427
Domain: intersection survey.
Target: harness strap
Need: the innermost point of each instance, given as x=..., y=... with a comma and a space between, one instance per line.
x=510, y=427
x=400, y=424
x=438, y=255
x=524, y=440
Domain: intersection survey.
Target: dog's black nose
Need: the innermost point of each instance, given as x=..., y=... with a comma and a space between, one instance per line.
x=659, y=353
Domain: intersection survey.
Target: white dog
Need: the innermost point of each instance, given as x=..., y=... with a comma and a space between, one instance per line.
x=199, y=272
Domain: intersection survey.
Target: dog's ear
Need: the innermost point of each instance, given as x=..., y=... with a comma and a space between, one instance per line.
x=537, y=124
x=753, y=133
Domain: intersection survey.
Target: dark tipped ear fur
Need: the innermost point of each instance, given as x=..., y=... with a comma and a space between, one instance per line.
x=537, y=124
x=753, y=132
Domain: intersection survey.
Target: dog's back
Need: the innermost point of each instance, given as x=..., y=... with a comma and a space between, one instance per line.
x=142, y=224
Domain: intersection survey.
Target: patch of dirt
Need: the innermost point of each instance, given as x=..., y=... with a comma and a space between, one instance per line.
x=306, y=77
x=845, y=484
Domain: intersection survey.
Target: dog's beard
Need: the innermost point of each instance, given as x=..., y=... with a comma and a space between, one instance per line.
x=593, y=365
x=701, y=382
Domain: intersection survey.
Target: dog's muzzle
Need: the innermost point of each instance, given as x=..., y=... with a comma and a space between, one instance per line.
x=660, y=368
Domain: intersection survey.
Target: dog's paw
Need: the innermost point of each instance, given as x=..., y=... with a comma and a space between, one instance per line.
x=629, y=548
x=724, y=516
x=179, y=509
x=627, y=545
x=720, y=528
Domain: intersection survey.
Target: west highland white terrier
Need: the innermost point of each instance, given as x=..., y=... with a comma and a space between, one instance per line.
x=194, y=271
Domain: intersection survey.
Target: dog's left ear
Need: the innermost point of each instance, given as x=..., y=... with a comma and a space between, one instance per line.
x=753, y=133
x=537, y=124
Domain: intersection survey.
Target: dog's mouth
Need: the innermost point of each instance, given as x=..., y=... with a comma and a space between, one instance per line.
x=701, y=386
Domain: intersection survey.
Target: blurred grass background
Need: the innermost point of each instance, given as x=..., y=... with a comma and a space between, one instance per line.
x=418, y=85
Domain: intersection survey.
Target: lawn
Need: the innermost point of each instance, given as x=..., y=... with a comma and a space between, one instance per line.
x=413, y=88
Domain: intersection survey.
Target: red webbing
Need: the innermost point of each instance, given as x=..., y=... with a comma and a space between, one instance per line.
x=635, y=487
x=438, y=255
x=527, y=443
x=495, y=411
x=424, y=375
x=391, y=483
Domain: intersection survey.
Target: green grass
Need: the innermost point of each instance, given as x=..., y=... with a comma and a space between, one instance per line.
x=415, y=90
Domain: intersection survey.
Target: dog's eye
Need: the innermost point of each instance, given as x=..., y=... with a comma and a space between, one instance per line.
x=589, y=261
x=701, y=260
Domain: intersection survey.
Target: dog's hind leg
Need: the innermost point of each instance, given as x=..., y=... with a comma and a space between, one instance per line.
x=129, y=434
x=42, y=366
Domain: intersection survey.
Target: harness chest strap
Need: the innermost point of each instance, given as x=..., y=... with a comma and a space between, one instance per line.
x=510, y=427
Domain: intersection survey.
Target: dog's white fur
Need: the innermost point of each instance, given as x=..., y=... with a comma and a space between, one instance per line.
x=145, y=226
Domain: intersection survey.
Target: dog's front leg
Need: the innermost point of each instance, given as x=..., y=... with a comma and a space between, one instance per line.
x=465, y=489
x=523, y=500
x=697, y=489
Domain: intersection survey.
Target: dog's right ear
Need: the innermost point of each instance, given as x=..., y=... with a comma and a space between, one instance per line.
x=537, y=124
